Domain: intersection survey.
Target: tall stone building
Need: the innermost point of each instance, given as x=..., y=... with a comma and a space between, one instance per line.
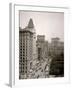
x=27, y=49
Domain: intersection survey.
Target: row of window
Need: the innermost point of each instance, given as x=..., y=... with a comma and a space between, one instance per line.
x=25, y=38
x=22, y=67
x=22, y=71
x=22, y=63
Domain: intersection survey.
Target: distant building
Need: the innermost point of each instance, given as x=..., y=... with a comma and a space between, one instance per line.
x=27, y=49
x=56, y=46
x=57, y=53
x=42, y=47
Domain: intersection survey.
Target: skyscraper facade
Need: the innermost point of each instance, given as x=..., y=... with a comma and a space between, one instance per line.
x=27, y=50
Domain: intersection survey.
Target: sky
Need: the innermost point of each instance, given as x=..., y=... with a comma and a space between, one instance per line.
x=50, y=24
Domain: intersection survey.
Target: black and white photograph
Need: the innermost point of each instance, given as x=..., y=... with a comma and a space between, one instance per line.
x=41, y=44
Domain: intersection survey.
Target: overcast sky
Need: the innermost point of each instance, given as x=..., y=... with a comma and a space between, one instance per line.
x=50, y=24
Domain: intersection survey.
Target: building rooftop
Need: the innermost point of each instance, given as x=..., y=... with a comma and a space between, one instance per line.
x=40, y=37
x=55, y=39
x=30, y=24
x=29, y=27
